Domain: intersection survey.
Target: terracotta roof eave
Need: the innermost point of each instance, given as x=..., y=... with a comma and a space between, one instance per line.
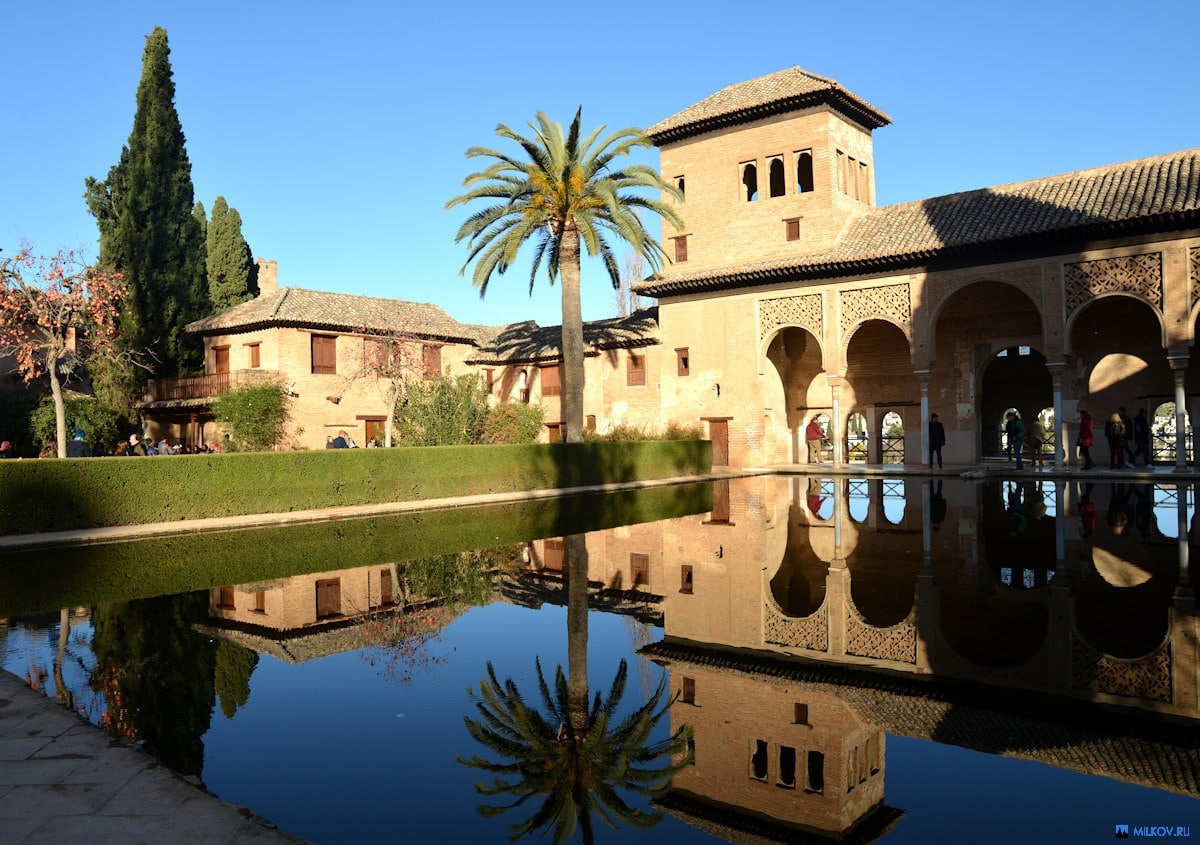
x=1159, y=223
x=258, y=325
x=852, y=108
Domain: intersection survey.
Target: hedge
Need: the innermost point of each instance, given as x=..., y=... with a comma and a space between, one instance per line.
x=38, y=496
x=35, y=581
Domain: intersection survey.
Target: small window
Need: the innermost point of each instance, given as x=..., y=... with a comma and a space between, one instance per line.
x=254, y=355
x=787, y=767
x=681, y=253
x=688, y=695
x=679, y=184
x=639, y=569
x=683, y=362
x=841, y=171
x=431, y=360
x=750, y=181
x=758, y=760
x=220, y=359
x=225, y=598
x=324, y=355
x=260, y=601
x=329, y=598
x=490, y=375
x=791, y=230
x=523, y=386
x=775, y=176
x=685, y=578
x=816, y=771
x=801, y=714
x=591, y=422
x=864, y=182
x=804, y=172
x=551, y=384
x=554, y=432
x=636, y=372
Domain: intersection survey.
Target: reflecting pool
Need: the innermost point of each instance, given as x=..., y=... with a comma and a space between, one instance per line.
x=763, y=659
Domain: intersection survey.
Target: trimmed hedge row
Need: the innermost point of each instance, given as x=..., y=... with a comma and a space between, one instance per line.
x=58, y=495
x=34, y=581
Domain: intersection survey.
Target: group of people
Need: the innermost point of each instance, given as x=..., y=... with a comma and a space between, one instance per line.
x=136, y=446
x=1128, y=439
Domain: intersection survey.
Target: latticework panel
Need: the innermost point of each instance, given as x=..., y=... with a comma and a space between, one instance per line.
x=811, y=632
x=889, y=302
x=1137, y=274
x=897, y=643
x=1194, y=273
x=1148, y=677
x=803, y=311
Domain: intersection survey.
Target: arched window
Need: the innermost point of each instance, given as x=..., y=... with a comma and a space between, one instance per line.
x=804, y=172
x=775, y=176
x=750, y=181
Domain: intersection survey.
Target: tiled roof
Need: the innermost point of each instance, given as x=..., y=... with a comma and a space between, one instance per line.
x=298, y=307
x=776, y=93
x=527, y=341
x=1149, y=195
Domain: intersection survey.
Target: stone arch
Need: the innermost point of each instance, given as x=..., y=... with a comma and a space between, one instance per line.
x=1015, y=377
x=794, y=387
x=988, y=297
x=1116, y=343
x=879, y=379
x=1076, y=315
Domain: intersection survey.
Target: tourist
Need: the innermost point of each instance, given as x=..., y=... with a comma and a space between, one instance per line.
x=937, y=439
x=1114, y=433
x=78, y=447
x=137, y=447
x=6, y=450
x=1014, y=427
x=340, y=441
x=1087, y=512
x=1141, y=439
x=100, y=450
x=1037, y=439
x=49, y=450
x=937, y=505
x=815, y=438
x=1085, y=439
x=1127, y=424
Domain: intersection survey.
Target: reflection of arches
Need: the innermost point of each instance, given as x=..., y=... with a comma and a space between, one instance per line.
x=1015, y=378
x=798, y=586
x=796, y=357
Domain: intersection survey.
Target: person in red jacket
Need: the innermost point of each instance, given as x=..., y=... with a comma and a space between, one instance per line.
x=1087, y=435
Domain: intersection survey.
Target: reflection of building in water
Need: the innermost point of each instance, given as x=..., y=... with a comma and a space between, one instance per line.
x=776, y=759
x=1023, y=601
x=973, y=633
x=304, y=616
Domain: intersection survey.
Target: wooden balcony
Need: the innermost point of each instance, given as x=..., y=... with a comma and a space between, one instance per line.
x=195, y=387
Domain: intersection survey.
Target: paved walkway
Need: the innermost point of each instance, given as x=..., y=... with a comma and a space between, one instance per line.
x=63, y=779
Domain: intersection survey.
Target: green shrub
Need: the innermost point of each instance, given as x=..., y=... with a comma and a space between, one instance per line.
x=513, y=422
x=84, y=412
x=443, y=412
x=40, y=496
x=254, y=415
x=629, y=432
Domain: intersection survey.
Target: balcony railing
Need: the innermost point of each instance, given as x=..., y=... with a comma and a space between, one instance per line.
x=195, y=387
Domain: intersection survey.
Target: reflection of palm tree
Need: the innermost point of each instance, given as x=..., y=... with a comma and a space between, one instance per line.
x=572, y=754
x=578, y=773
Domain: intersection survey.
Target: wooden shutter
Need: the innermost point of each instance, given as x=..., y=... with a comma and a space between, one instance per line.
x=551, y=383
x=220, y=359
x=432, y=360
x=324, y=355
x=636, y=373
x=329, y=598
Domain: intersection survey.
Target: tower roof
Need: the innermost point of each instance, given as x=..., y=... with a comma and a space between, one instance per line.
x=776, y=93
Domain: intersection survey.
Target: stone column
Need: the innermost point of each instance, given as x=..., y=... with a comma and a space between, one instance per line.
x=923, y=380
x=1178, y=372
x=837, y=428
x=1060, y=424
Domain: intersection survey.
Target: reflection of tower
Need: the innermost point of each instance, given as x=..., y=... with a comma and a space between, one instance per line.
x=776, y=758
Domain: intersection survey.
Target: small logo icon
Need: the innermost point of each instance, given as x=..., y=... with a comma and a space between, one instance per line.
x=1122, y=831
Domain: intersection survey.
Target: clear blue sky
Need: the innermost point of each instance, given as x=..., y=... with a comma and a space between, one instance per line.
x=338, y=131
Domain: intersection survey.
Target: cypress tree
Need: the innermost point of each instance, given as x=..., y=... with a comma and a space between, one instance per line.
x=148, y=231
x=232, y=275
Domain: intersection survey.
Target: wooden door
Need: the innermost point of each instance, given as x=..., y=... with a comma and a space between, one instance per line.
x=718, y=433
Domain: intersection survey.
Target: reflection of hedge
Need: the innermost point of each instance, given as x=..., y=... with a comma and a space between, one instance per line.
x=36, y=581
x=55, y=495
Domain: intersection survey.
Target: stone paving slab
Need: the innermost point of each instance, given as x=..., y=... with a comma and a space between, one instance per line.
x=63, y=779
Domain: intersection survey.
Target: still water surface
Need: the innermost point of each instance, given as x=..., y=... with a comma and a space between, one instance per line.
x=869, y=659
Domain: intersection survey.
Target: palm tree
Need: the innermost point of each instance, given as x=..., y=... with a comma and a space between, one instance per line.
x=576, y=773
x=563, y=191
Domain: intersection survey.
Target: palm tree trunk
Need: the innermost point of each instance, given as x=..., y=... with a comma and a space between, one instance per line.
x=577, y=631
x=572, y=337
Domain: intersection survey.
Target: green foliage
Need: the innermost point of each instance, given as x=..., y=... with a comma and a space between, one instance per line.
x=86, y=412
x=234, y=666
x=560, y=191
x=443, y=412
x=255, y=415
x=461, y=578
x=231, y=272
x=148, y=229
x=40, y=496
x=513, y=422
x=628, y=432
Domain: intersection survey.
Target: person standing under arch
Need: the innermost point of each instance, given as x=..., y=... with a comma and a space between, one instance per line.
x=815, y=438
x=1086, y=438
x=937, y=439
